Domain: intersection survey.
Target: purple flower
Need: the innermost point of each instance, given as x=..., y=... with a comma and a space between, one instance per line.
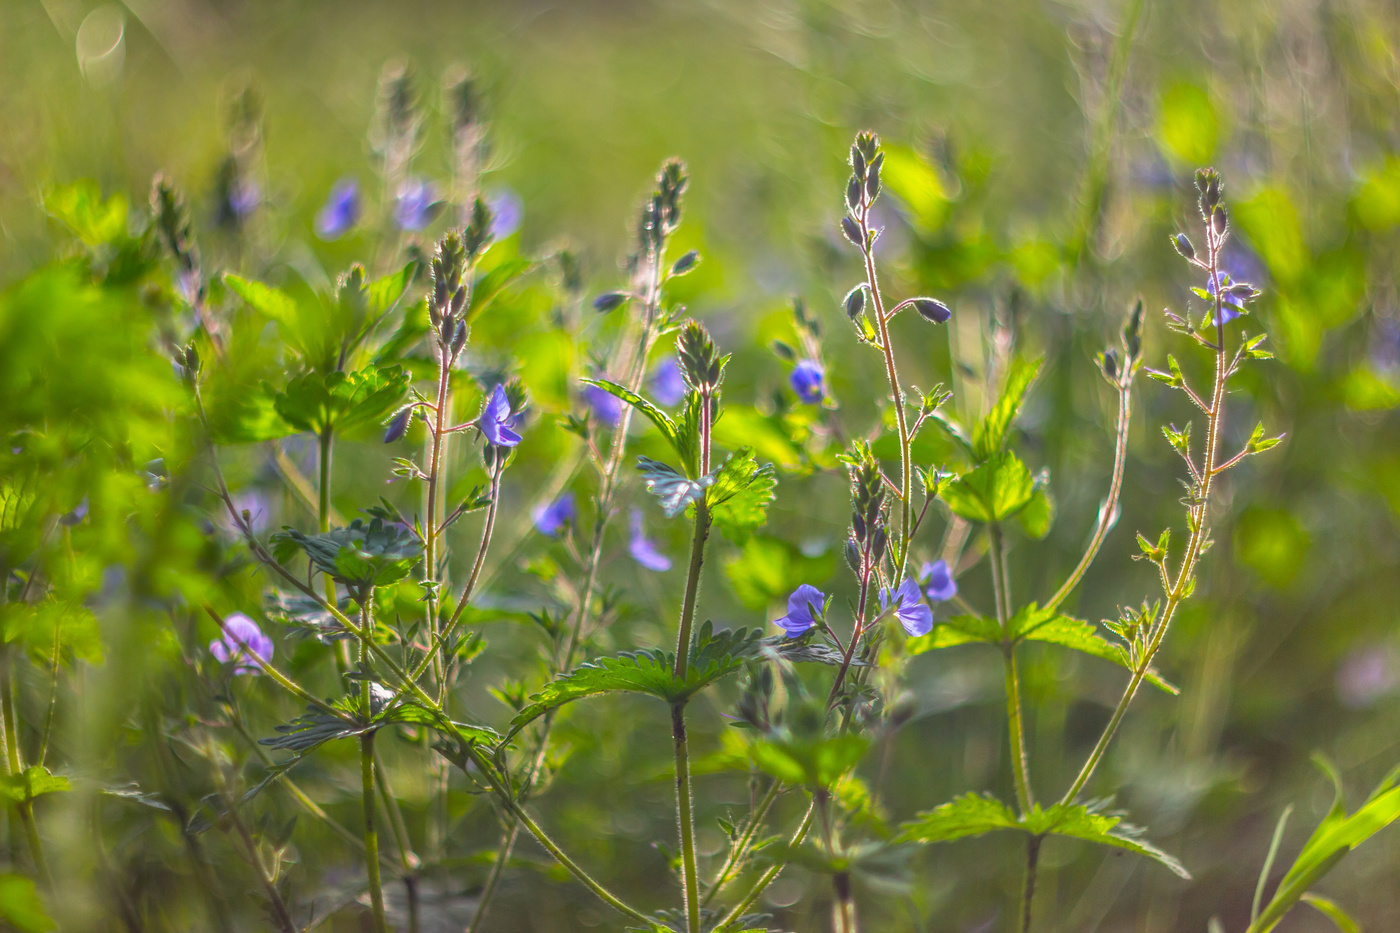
x=937, y=581
x=642, y=549
x=1231, y=307
x=916, y=618
x=804, y=606
x=1366, y=676
x=243, y=644
x=416, y=204
x=507, y=210
x=496, y=421
x=341, y=210
x=667, y=384
x=75, y=517
x=1385, y=346
x=607, y=408
x=549, y=518
x=807, y=381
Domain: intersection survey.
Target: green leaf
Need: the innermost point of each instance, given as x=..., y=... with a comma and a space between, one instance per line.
x=34, y=781
x=663, y=422
x=738, y=500
x=959, y=630
x=81, y=207
x=1188, y=125
x=713, y=655
x=674, y=490
x=1333, y=911
x=993, y=491
x=990, y=435
x=358, y=555
x=813, y=761
x=272, y=302
x=20, y=906
x=1090, y=823
x=768, y=569
x=345, y=402
x=491, y=283
x=959, y=818
x=1038, y=515
x=1035, y=624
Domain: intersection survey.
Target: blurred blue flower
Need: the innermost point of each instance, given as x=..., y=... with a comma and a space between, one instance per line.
x=667, y=384
x=607, y=407
x=807, y=381
x=507, y=211
x=244, y=196
x=496, y=421
x=341, y=210
x=937, y=581
x=1366, y=676
x=1385, y=346
x=1230, y=306
x=642, y=549
x=916, y=618
x=804, y=607
x=415, y=205
x=243, y=644
x=549, y=517
x=76, y=516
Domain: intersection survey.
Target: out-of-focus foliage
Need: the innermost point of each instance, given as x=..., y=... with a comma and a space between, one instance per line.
x=1038, y=156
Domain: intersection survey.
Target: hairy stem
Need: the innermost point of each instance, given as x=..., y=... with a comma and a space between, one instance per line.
x=684, y=800
x=769, y=874
x=376, y=891
x=15, y=766
x=740, y=848
x=1028, y=889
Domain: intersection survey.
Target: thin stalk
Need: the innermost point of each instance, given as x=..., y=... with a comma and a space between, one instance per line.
x=1028, y=889
x=1199, y=515
x=1020, y=760
x=684, y=799
x=867, y=569
x=1110, y=504
x=764, y=880
x=280, y=910
x=906, y=466
x=740, y=848
x=15, y=766
x=396, y=821
x=376, y=891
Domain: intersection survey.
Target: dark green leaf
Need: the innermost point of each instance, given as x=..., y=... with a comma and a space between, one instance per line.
x=990, y=435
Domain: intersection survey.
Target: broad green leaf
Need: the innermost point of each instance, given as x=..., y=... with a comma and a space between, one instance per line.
x=359, y=555
x=663, y=421
x=768, y=569
x=272, y=302
x=345, y=402
x=816, y=761
x=382, y=294
x=1039, y=514
x=1034, y=624
x=492, y=282
x=1376, y=203
x=959, y=818
x=990, y=435
x=20, y=906
x=993, y=491
x=713, y=655
x=34, y=781
x=674, y=490
x=94, y=220
x=743, y=425
x=959, y=630
x=738, y=500
x=1090, y=823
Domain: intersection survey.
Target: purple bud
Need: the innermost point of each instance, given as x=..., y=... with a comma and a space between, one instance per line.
x=852, y=231
x=930, y=309
x=398, y=425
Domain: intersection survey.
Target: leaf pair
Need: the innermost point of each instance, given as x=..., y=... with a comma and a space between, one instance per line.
x=359, y=555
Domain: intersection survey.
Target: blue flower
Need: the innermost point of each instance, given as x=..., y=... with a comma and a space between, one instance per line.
x=507, y=210
x=804, y=606
x=643, y=549
x=807, y=381
x=1231, y=307
x=549, y=517
x=667, y=384
x=916, y=618
x=937, y=581
x=496, y=421
x=607, y=408
x=341, y=210
x=243, y=644
x=416, y=204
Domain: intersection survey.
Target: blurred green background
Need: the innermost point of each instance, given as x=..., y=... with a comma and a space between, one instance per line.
x=1044, y=150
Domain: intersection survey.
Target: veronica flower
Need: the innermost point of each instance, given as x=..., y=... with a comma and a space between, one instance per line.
x=341, y=210
x=549, y=517
x=667, y=384
x=606, y=406
x=243, y=644
x=937, y=581
x=496, y=421
x=804, y=606
x=415, y=205
x=1231, y=307
x=643, y=549
x=916, y=618
x=507, y=210
x=808, y=381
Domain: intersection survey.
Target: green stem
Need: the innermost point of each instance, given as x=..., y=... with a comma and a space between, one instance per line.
x=1020, y=761
x=772, y=872
x=323, y=505
x=684, y=798
x=740, y=848
x=1028, y=890
x=16, y=767
x=376, y=891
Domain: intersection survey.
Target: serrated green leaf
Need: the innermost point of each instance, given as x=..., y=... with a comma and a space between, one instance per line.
x=1091, y=824
x=664, y=423
x=815, y=761
x=1035, y=624
x=959, y=818
x=990, y=435
x=739, y=497
x=345, y=402
x=672, y=488
x=34, y=781
x=959, y=630
x=993, y=491
x=360, y=554
x=20, y=906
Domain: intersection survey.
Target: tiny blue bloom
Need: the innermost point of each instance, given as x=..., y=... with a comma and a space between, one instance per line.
x=496, y=421
x=804, y=607
x=341, y=210
x=75, y=517
x=507, y=211
x=244, y=196
x=916, y=618
x=667, y=384
x=550, y=517
x=1230, y=306
x=937, y=581
x=807, y=381
x=243, y=644
x=606, y=406
x=643, y=549
x=415, y=205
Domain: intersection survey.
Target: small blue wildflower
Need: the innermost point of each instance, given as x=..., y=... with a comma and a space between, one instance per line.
x=643, y=549
x=507, y=211
x=807, y=381
x=937, y=581
x=550, y=517
x=242, y=644
x=667, y=384
x=415, y=205
x=244, y=196
x=75, y=517
x=341, y=210
x=804, y=607
x=607, y=408
x=916, y=618
x=496, y=421
x=1231, y=307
